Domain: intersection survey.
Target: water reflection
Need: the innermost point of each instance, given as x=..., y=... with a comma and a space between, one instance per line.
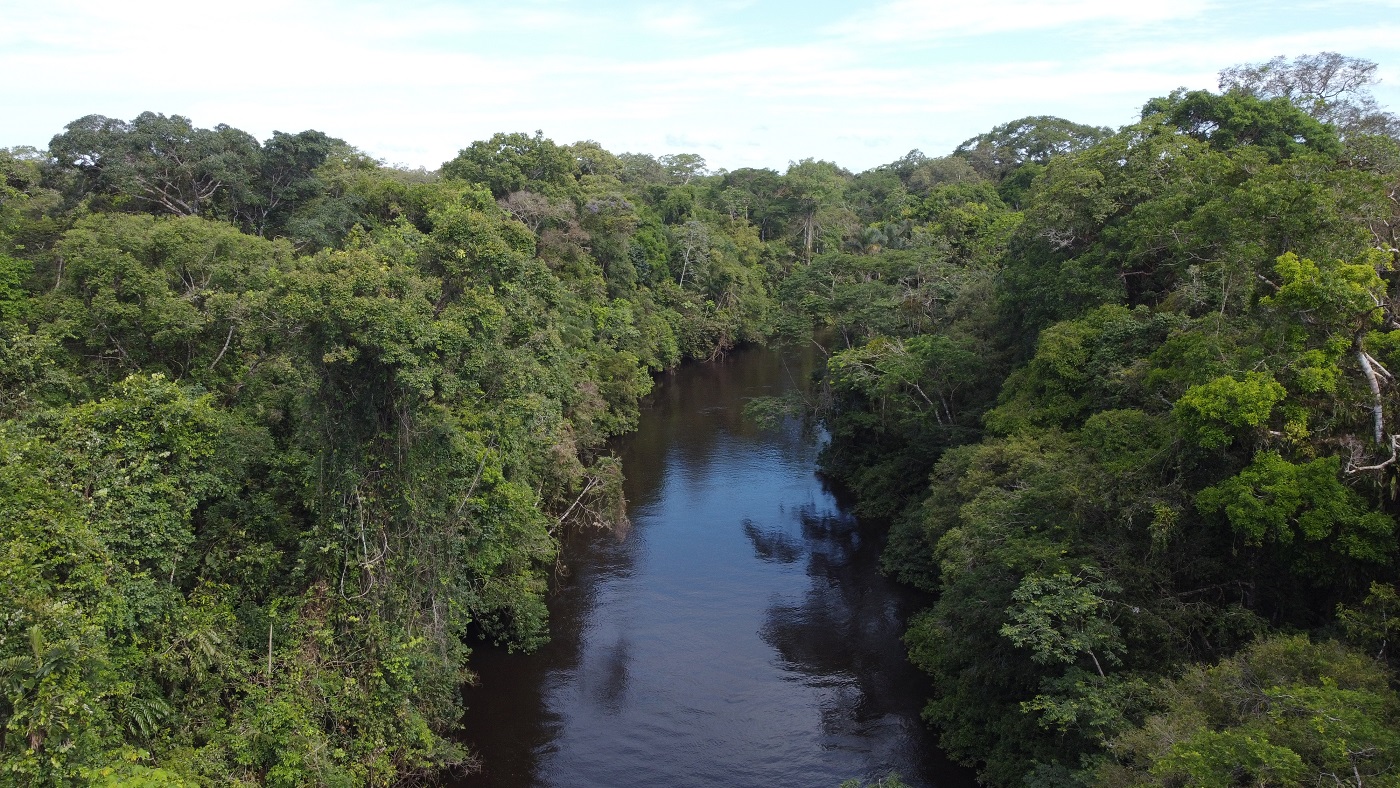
x=858, y=656
x=606, y=682
x=739, y=634
x=773, y=545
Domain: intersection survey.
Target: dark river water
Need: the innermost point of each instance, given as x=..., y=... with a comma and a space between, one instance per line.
x=737, y=634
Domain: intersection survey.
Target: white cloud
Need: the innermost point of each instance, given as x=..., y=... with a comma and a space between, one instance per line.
x=415, y=81
x=673, y=21
x=922, y=20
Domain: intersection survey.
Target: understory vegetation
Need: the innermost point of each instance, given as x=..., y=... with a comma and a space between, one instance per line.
x=286, y=430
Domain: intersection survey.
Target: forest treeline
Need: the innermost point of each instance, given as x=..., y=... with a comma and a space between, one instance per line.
x=1132, y=409
x=287, y=430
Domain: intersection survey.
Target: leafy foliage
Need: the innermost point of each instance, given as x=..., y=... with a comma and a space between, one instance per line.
x=284, y=429
x=261, y=492
x=1283, y=712
x=1180, y=441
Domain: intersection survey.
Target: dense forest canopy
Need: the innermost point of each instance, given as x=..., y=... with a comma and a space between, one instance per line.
x=287, y=430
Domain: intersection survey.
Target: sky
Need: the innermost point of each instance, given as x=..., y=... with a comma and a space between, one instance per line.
x=743, y=83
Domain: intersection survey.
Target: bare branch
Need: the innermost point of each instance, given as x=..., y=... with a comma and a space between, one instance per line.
x=227, y=340
x=1377, y=412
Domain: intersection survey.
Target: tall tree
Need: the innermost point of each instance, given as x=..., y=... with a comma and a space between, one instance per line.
x=1327, y=86
x=510, y=162
x=284, y=177
x=1033, y=139
x=814, y=189
x=163, y=163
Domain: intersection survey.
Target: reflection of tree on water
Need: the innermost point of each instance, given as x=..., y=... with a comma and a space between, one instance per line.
x=773, y=546
x=843, y=638
x=828, y=631
x=511, y=718
x=606, y=681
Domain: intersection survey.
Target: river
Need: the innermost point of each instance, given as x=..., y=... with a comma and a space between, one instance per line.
x=738, y=633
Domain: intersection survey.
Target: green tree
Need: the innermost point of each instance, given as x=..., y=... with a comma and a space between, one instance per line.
x=510, y=162
x=814, y=188
x=1286, y=711
x=1230, y=120
x=163, y=163
x=1064, y=617
x=1030, y=140
x=284, y=178
x=1327, y=86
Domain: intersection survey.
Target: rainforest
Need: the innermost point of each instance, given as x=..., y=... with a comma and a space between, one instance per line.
x=288, y=432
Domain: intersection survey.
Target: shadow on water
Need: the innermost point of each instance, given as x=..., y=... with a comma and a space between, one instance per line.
x=740, y=633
